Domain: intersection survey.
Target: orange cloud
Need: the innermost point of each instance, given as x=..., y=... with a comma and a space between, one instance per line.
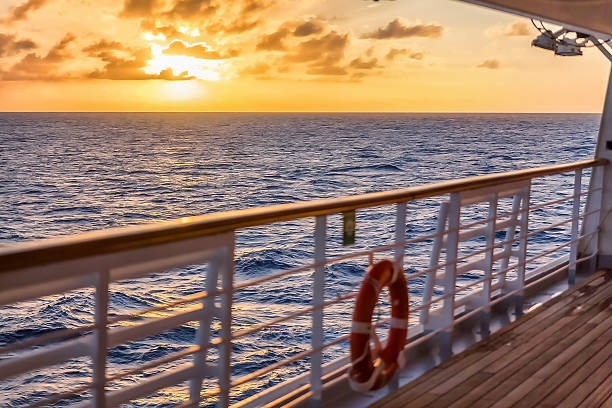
x=397, y=29
x=310, y=27
x=103, y=45
x=329, y=48
x=363, y=64
x=138, y=8
x=201, y=51
x=118, y=68
x=259, y=68
x=22, y=11
x=395, y=52
x=190, y=9
x=274, y=41
x=490, y=64
x=34, y=67
x=11, y=46
x=327, y=70
x=518, y=29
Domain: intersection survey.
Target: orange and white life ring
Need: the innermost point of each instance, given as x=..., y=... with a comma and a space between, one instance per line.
x=371, y=370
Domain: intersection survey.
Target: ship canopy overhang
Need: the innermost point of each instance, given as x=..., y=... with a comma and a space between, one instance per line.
x=586, y=16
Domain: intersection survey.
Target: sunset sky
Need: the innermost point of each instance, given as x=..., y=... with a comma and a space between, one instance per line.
x=284, y=55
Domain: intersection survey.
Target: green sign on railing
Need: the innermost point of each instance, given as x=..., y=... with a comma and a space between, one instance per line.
x=348, y=228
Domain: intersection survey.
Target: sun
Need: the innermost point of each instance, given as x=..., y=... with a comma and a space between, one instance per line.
x=207, y=70
x=182, y=90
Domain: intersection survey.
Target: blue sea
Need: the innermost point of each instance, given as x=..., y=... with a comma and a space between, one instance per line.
x=66, y=173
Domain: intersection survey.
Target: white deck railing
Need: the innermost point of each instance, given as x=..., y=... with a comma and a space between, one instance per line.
x=498, y=259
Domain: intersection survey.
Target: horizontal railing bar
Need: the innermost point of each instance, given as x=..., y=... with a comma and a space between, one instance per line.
x=48, y=356
x=123, y=334
x=45, y=338
x=244, y=332
x=47, y=251
x=152, y=364
x=562, y=199
x=151, y=384
x=187, y=299
x=60, y=396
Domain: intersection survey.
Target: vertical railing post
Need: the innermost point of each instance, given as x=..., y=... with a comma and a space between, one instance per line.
x=220, y=265
x=450, y=276
x=510, y=235
x=571, y=274
x=525, y=198
x=592, y=219
x=599, y=184
x=225, y=357
x=400, y=250
x=203, y=333
x=430, y=278
x=486, y=284
x=101, y=339
x=318, y=297
x=400, y=234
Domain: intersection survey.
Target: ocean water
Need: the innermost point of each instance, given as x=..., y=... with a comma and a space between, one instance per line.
x=68, y=173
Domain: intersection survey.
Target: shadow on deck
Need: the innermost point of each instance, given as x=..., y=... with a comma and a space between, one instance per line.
x=559, y=355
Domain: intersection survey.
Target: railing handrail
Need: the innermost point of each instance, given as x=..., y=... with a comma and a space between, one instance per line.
x=51, y=250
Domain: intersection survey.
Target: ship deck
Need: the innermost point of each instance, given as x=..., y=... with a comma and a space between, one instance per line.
x=558, y=355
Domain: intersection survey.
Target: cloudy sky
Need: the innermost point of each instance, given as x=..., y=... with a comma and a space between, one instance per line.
x=283, y=55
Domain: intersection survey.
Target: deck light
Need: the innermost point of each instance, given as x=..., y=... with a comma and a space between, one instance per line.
x=567, y=49
x=564, y=42
x=544, y=41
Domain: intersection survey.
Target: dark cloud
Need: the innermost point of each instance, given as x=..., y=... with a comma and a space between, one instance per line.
x=327, y=70
x=58, y=53
x=253, y=6
x=299, y=28
x=274, y=41
x=22, y=11
x=168, y=31
x=35, y=67
x=396, y=29
x=416, y=55
x=358, y=76
x=323, y=54
x=258, y=69
x=139, y=8
x=325, y=50
x=101, y=46
x=131, y=68
x=395, y=52
x=238, y=26
x=192, y=9
x=490, y=64
x=518, y=29
x=310, y=27
x=178, y=47
x=238, y=16
x=358, y=63
x=9, y=45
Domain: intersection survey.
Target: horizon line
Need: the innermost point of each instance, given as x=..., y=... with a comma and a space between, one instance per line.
x=319, y=112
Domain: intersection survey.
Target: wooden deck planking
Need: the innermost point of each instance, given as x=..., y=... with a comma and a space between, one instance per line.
x=559, y=355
